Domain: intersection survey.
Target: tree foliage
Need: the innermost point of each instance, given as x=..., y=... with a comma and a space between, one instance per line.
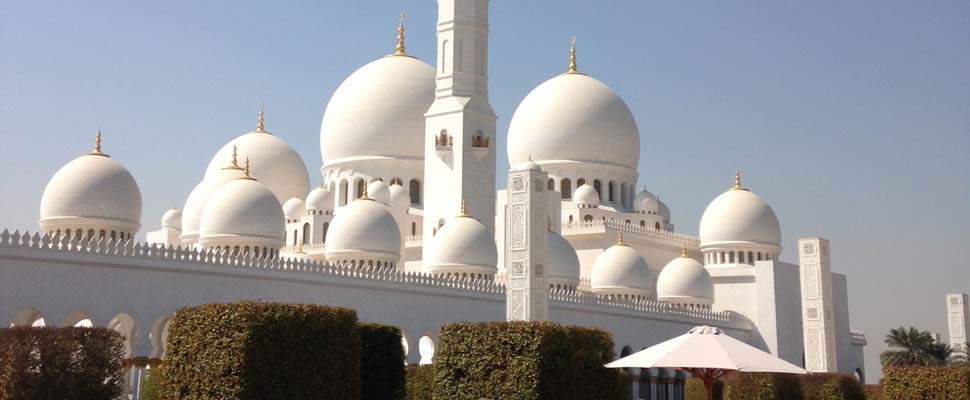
x=913, y=347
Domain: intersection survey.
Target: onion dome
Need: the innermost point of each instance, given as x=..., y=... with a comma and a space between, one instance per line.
x=563, y=263
x=586, y=196
x=94, y=195
x=621, y=272
x=275, y=163
x=319, y=199
x=364, y=233
x=574, y=117
x=463, y=247
x=400, y=199
x=379, y=191
x=740, y=220
x=378, y=111
x=242, y=215
x=294, y=208
x=172, y=219
x=646, y=203
x=195, y=203
x=684, y=281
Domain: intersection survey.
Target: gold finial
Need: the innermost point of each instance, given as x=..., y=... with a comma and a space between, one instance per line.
x=246, y=174
x=619, y=239
x=259, y=121
x=399, y=50
x=572, y=56
x=683, y=249
x=234, y=163
x=97, y=145
x=737, y=181
x=464, y=209
x=299, y=248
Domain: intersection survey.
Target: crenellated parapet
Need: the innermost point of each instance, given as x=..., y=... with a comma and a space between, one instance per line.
x=650, y=307
x=647, y=231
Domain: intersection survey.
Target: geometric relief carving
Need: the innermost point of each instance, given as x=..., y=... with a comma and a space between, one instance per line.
x=813, y=359
x=811, y=282
x=518, y=184
x=538, y=269
x=538, y=185
x=808, y=249
x=813, y=313
x=955, y=300
x=956, y=325
x=518, y=228
x=517, y=269
x=516, y=301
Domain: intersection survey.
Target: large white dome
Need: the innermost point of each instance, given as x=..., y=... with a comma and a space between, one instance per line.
x=739, y=216
x=563, y=268
x=574, y=117
x=621, y=271
x=243, y=212
x=462, y=246
x=92, y=192
x=378, y=111
x=273, y=162
x=684, y=281
x=363, y=231
x=195, y=203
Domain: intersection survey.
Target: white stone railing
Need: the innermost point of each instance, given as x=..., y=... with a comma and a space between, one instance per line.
x=413, y=240
x=858, y=337
x=106, y=246
x=699, y=315
x=649, y=231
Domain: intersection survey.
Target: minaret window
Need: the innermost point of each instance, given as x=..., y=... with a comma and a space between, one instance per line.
x=414, y=189
x=552, y=184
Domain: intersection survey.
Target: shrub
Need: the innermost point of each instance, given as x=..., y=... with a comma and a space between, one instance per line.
x=694, y=390
x=253, y=350
x=420, y=382
x=762, y=386
x=382, y=362
x=873, y=392
x=149, y=385
x=831, y=387
x=60, y=363
x=919, y=382
x=524, y=360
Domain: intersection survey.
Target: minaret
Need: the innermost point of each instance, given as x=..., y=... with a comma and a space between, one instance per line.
x=526, y=224
x=460, y=124
x=818, y=319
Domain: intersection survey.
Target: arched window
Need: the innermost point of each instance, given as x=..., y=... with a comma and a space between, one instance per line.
x=397, y=181
x=588, y=218
x=580, y=182
x=656, y=225
x=599, y=189
x=414, y=189
x=426, y=350
x=623, y=194
x=343, y=192
x=750, y=258
x=361, y=186
x=552, y=184
x=643, y=223
x=90, y=234
x=570, y=219
x=294, y=237
x=326, y=227
x=306, y=233
x=414, y=228
x=611, y=189
x=741, y=257
x=566, y=187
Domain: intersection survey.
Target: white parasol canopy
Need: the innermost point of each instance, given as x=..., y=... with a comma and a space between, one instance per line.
x=709, y=354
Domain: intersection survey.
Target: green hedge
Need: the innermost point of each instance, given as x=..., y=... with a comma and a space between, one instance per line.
x=762, y=386
x=60, y=363
x=694, y=390
x=767, y=386
x=831, y=387
x=420, y=382
x=918, y=382
x=254, y=350
x=149, y=385
x=525, y=360
x=382, y=362
x=873, y=392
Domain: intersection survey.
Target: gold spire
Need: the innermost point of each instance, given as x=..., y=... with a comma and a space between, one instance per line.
x=683, y=249
x=464, y=209
x=572, y=56
x=737, y=181
x=246, y=174
x=619, y=239
x=299, y=248
x=399, y=50
x=259, y=121
x=234, y=163
x=97, y=145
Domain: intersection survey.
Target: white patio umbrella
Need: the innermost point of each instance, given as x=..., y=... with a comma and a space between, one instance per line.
x=706, y=353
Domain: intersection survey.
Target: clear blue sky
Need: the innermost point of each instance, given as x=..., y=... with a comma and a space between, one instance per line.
x=852, y=119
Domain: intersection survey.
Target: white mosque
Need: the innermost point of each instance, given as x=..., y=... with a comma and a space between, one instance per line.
x=406, y=226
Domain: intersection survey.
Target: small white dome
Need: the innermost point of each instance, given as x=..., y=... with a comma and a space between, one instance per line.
x=526, y=166
x=92, y=192
x=462, y=246
x=378, y=111
x=241, y=213
x=646, y=202
x=586, y=196
x=739, y=216
x=294, y=208
x=400, y=199
x=319, y=199
x=379, y=191
x=364, y=231
x=620, y=271
x=195, y=203
x=663, y=210
x=574, y=117
x=685, y=281
x=172, y=219
x=273, y=162
x=563, y=262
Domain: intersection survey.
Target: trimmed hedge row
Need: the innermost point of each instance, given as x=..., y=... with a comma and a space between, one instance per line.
x=922, y=382
x=420, y=382
x=381, y=363
x=873, y=392
x=254, y=350
x=766, y=386
x=525, y=360
x=60, y=363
